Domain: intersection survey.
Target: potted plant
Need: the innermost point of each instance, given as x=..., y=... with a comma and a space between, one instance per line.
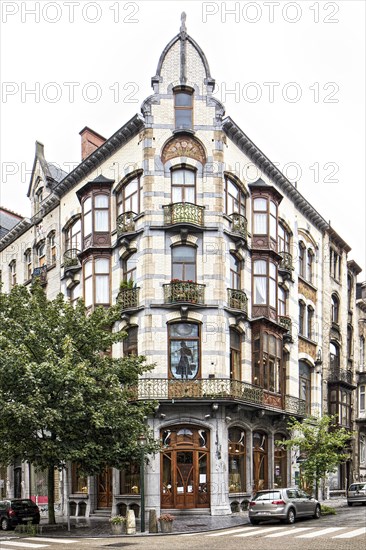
x=166, y=523
x=118, y=524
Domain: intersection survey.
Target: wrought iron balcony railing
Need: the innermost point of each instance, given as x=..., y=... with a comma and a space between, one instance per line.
x=286, y=262
x=212, y=388
x=41, y=274
x=126, y=223
x=239, y=225
x=340, y=375
x=128, y=298
x=71, y=258
x=184, y=291
x=237, y=299
x=183, y=212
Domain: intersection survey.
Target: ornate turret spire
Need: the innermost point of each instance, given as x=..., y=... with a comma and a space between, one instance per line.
x=183, y=17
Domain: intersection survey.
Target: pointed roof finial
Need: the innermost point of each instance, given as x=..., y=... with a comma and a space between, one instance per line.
x=183, y=18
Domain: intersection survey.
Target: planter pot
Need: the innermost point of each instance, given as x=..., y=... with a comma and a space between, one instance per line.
x=166, y=526
x=118, y=528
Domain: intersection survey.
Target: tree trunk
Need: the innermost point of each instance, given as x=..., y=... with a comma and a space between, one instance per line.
x=51, y=495
x=317, y=486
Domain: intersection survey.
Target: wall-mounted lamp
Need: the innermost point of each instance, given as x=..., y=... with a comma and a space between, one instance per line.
x=215, y=406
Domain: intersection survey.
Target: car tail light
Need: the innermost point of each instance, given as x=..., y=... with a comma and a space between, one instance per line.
x=11, y=513
x=252, y=503
x=278, y=502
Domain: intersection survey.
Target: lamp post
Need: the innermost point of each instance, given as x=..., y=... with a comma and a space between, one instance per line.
x=142, y=443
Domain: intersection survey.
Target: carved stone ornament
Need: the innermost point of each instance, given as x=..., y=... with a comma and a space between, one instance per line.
x=183, y=147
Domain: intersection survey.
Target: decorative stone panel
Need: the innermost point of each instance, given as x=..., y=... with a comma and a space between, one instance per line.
x=307, y=291
x=307, y=347
x=183, y=147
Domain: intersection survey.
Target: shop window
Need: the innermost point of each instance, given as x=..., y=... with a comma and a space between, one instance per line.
x=129, y=198
x=234, y=197
x=183, y=185
x=130, y=479
x=260, y=461
x=183, y=108
x=79, y=481
x=184, y=263
x=280, y=462
x=237, y=454
x=184, y=350
x=235, y=355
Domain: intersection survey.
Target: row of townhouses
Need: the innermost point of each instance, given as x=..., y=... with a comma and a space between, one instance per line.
x=237, y=289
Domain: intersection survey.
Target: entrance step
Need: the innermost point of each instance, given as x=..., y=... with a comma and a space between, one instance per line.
x=101, y=513
x=187, y=512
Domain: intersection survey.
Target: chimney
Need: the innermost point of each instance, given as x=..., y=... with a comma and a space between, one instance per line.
x=90, y=141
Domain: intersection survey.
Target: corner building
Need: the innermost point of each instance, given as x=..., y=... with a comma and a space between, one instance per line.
x=217, y=263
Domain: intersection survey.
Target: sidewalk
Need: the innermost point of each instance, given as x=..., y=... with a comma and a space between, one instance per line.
x=100, y=527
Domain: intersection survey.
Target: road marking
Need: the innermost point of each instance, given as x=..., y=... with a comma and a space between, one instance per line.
x=351, y=534
x=257, y=531
x=292, y=531
x=319, y=533
x=229, y=532
x=56, y=541
x=22, y=544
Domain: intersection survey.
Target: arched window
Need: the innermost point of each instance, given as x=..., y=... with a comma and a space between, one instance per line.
x=260, y=461
x=302, y=266
x=235, y=355
x=305, y=385
x=184, y=263
x=129, y=198
x=183, y=108
x=302, y=309
x=184, y=350
x=237, y=453
x=183, y=185
x=234, y=198
x=280, y=462
x=334, y=356
x=310, y=266
x=335, y=309
x=38, y=198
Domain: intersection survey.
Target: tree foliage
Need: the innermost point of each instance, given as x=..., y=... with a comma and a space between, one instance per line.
x=322, y=445
x=62, y=395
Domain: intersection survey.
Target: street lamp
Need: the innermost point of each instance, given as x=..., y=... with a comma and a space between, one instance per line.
x=142, y=443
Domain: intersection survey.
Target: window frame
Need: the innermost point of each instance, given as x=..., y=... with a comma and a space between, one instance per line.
x=240, y=199
x=235, y=343
x=124, y=203
x=181, y=186
x=185, y=265
x=335, y=306
x=93, y=211
x=12, y=273
x=189, y=92
x=237, y=460
x=130, y=343
x=302, y=265
x=284, y=241
x=267, y=371
x=28, y=264
x=93, y=276
x=183, y=339
x=271, y=283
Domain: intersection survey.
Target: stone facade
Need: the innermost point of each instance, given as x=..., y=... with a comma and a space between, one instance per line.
x=219, y=263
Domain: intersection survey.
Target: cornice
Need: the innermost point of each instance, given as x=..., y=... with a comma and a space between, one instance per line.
x=245, y=144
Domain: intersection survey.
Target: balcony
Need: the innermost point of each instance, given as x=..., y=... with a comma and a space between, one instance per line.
x=286, y=323
x=239, y=225
x=237, y=299
x=184, y=292
x=126, y=223
x=286, y=267
x=338, y=375
x=40, y=273
x=128, y=298
x=183, y=212
x=214, y=388
x=71, y=259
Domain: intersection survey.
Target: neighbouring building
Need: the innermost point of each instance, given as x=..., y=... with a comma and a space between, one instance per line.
x=228, y=279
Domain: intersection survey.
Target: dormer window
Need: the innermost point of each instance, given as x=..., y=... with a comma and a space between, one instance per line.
x=183, y=107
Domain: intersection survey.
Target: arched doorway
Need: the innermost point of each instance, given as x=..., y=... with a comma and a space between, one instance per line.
x=185, y=467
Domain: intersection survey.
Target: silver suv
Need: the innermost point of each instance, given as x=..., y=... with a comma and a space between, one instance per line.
x=356, y=493
x=283, y=504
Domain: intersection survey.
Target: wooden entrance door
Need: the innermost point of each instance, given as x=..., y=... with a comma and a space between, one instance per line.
x=185, y=486
x=105, y=489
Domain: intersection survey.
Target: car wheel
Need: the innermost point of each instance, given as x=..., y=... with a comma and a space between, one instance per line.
x=290, y=516
x=253, y=521
x=4, y=524
x=350, y=504
x=317, y=512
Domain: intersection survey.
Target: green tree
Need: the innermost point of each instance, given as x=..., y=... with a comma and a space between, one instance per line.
x=62, y=395
x=322, y=444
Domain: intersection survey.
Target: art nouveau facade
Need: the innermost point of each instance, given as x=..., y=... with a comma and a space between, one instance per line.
x=218, y=264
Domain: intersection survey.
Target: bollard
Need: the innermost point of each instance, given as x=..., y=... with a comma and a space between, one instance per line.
x=153, y=522
x=131, y=523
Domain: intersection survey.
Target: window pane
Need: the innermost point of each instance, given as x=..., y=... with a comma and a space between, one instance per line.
x=88, y=269
x=102, y=265
x=101, y=201
x=260, y=205
x=183, y=118
x=101, y=220
x=102, y=289
x=87, y=205
x=183, y=99
x=87, y=224
x=88, y=292
x=260, y=224
x=183, y=330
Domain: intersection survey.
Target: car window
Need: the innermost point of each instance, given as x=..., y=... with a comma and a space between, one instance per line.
x=271, y=495
x=357, y=487
x=21, y=504
x=292, y=493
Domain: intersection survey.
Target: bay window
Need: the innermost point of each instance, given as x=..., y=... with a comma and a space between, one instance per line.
x=97, y=281
x=267, y=361
x=265, y=283
x=96, y=214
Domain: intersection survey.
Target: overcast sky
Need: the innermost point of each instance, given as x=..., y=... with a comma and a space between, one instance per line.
x=291, y=74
